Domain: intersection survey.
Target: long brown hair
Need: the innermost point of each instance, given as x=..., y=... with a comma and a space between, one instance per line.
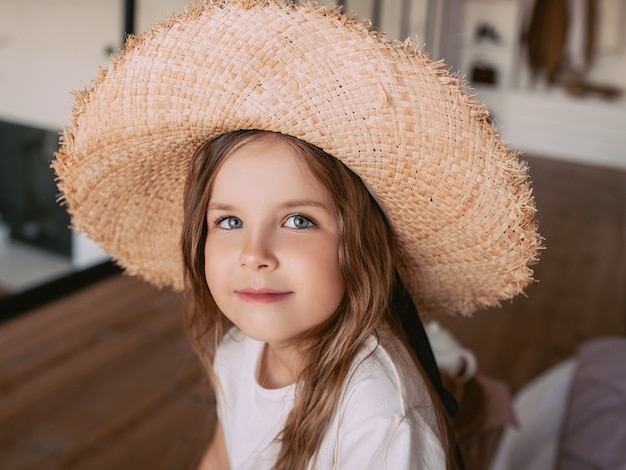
x=366, y=257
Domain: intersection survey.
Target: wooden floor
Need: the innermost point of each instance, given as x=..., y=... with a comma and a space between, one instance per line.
x=104, y=378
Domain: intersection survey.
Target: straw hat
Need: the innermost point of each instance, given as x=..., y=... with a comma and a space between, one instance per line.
x=459, y=201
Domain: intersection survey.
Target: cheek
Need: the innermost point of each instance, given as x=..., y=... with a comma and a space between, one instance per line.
x=339, y=284
x=326, y=275
x=214, y=266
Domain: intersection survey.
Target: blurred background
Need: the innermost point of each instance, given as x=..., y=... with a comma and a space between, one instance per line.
x=102, y=376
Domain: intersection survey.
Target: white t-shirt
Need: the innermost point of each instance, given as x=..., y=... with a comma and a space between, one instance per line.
x=385, y=419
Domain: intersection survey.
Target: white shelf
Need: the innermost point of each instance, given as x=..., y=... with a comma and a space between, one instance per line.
x=500, y=54
x=550, y=123
x=23, y=266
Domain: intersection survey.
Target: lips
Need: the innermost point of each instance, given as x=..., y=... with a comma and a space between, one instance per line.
x=263, y=296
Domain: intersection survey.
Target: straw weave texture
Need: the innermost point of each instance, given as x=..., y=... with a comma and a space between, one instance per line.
x=459, y=201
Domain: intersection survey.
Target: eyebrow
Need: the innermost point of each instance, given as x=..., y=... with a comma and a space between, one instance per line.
x=304, y=203
x=220, y=206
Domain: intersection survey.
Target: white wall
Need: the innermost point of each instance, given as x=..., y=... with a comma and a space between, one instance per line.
x=149, y=12
x=49, y=47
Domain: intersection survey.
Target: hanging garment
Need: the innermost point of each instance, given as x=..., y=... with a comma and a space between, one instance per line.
x=561, y=36
x=580, y=40
x=546, y=37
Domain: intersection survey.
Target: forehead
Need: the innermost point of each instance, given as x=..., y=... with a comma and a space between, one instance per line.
x=267, y=163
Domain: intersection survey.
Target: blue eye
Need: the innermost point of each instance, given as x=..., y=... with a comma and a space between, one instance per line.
x=230, y=223
x=298, y=221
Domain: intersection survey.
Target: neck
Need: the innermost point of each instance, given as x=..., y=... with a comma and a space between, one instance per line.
x=278, y=367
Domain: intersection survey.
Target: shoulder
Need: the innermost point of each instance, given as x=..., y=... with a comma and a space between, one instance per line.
x=385, y=376
x=385, y=418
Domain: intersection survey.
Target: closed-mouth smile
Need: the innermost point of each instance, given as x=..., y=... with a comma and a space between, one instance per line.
x=262, y=295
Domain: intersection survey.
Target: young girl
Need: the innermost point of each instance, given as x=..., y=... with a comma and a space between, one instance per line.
x=308, y=183
x=299, y=258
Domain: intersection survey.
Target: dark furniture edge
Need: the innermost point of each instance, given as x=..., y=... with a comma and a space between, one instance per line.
x=22, y=302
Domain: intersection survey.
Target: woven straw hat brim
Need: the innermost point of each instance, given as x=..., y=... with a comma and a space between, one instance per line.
x=459, y=201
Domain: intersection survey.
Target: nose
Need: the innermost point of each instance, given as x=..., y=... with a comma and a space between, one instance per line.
x=258, y=252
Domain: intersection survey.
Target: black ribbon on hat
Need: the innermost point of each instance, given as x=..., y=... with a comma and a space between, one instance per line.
x=406, y=312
